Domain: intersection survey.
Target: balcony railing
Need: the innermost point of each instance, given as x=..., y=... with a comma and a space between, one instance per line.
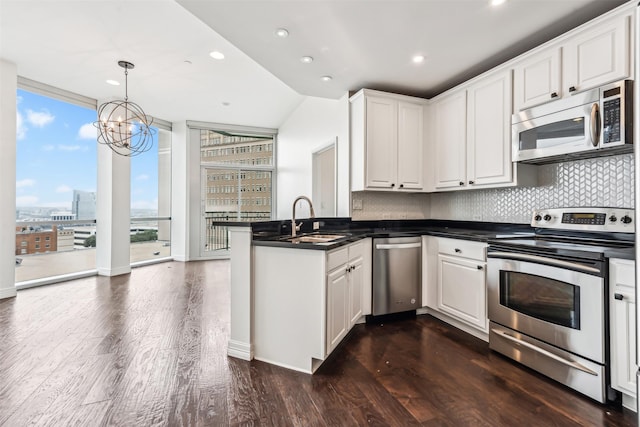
x=217, y=236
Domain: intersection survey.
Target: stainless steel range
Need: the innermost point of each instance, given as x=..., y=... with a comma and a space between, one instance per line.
x=547, y=295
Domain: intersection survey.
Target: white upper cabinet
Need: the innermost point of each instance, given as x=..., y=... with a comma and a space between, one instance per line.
x=537, y=79
x=472, y=137
x=410, y=143
x=598, y=54
x=387, y=141
x=450, y=140
x=489, y=131
x=382, y=142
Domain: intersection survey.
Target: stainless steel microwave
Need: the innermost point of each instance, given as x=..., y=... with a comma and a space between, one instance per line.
x=592, y=123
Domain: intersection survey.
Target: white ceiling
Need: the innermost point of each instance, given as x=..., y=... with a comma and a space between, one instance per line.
x=75, y=45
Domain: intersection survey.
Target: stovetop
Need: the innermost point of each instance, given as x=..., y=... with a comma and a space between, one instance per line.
x=575, y=232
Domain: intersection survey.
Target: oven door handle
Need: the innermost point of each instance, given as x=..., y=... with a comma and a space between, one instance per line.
x=544, y=352
x=545, y=260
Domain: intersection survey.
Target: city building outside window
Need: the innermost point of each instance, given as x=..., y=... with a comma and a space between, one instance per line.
x=238, y=171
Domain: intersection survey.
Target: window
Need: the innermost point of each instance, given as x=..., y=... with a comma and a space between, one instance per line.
x=151, y=200
x=236, y=183
x=56, y=156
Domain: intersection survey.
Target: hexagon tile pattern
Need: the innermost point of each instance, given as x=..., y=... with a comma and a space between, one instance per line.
x=603, y=181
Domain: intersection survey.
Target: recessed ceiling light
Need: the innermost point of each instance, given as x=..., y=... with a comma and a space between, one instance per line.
x=326, y=78
x=282, y=32
x=217, y=55
x=497, y=2
x=418, y=59
x=306, y=59
x=113, y=82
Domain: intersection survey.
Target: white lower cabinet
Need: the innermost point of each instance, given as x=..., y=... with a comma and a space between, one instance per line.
x=306, y=301
x=345, y=291
x=623, y=329
x=461, y=281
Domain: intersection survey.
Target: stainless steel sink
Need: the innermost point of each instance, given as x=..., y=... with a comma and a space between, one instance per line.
x=316, y=238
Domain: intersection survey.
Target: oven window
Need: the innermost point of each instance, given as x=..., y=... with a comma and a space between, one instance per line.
x=540, y=297
x=553, y=134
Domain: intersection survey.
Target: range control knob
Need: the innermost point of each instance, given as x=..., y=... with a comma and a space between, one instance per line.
x=537, y=217
x=626, y=219
x=613, y=218
x=547, y=217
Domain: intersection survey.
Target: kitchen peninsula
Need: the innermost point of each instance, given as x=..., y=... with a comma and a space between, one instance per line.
x=283, y=308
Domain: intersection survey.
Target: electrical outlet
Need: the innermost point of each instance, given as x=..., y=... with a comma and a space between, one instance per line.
x=386, y=216
x=477, y=217
x=402, y=215
x=357, y=204
x=316, y=225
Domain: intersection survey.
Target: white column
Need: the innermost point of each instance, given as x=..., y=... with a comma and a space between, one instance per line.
x=8, y=95
x=113, y=213
x=179, y=191
x=241, y=334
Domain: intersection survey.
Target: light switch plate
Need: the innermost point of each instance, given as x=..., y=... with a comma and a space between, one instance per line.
x=357, y=204
x=316, y=225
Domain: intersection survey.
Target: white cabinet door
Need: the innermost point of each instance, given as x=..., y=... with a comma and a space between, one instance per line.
x=451, y=140
x=537, y=79
x=382, y=142
x=489, y=131
x=597, y=56
x=356, y=286
x=623, y=326
x=410, y=141
x=462, y=290
x=337, y=302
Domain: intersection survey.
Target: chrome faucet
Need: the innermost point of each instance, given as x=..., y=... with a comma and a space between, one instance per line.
x=296, y=227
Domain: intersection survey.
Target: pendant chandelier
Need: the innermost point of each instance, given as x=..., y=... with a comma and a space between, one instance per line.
x=122, y=125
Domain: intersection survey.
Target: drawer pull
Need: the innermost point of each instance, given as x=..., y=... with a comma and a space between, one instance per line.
x=618, y=296
x=480, y=267
x=458, y=251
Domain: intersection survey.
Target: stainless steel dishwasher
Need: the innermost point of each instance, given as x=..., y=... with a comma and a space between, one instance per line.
x=397, y=274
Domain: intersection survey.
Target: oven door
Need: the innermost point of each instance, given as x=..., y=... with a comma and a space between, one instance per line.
x=558, y=302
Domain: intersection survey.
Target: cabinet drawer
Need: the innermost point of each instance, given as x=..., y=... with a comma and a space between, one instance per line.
x=623, y=273
x=356, y=250
x=337, y=258
x=462, y=248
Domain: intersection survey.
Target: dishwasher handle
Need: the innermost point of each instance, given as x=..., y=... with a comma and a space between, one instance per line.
x=398, y=245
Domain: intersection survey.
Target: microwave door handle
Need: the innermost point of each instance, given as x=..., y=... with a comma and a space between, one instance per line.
x=595, y=124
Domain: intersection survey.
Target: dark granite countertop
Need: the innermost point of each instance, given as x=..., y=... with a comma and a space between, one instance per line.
x=274, y=233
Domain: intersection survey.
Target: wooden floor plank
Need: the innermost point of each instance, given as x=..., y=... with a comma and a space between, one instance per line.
x=149, y=349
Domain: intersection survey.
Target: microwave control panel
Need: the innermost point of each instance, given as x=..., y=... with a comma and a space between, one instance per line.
x=611, y=121
x=587, y=219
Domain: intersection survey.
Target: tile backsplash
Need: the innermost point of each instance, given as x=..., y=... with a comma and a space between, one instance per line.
x=603, y=181
x=382, y=205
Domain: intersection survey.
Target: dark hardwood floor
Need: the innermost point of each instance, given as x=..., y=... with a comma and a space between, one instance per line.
x=150, y=349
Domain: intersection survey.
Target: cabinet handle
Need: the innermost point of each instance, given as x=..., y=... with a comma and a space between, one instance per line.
x=554, y=95
x=572, y=89
x=471, y=182
x=480, y=267
x=458, y=251
x=393, y=185
x=461, y=182
x=618, y=296
x=401, y=185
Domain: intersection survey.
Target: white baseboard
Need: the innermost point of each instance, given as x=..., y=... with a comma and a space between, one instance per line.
x=240, y=350
x=114, y=271
x=8, y=292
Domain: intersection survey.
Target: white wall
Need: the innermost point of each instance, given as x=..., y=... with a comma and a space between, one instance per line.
x=8, y=93
x=314, y=124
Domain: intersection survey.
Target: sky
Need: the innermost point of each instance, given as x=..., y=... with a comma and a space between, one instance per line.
x=57, y=153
